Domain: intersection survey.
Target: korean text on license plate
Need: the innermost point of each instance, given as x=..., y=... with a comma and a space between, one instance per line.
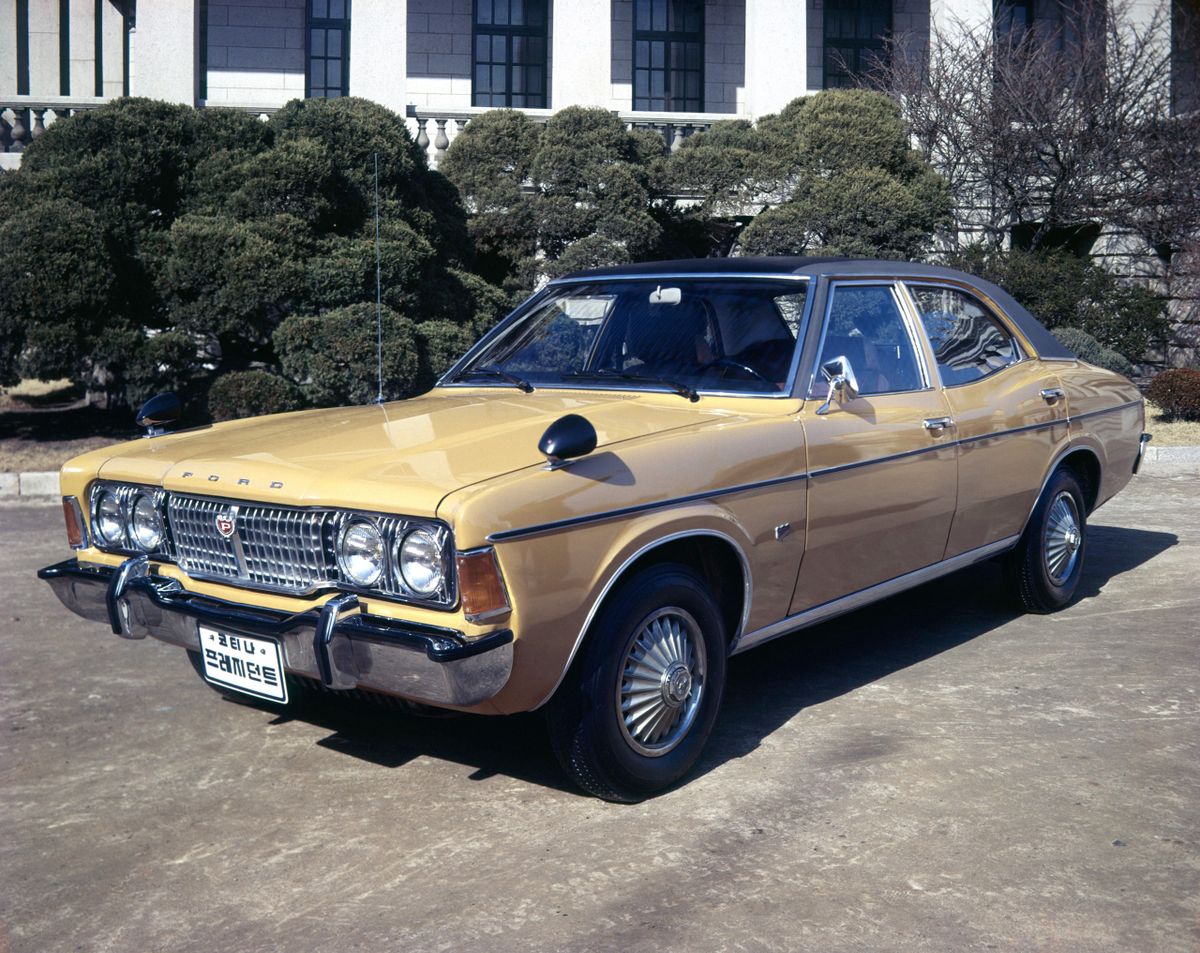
x=244, y=663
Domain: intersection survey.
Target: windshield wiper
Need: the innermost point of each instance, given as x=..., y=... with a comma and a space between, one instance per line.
x=605, y=373
x=494, y=372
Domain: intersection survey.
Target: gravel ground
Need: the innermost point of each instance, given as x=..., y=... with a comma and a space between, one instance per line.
x=933, y=773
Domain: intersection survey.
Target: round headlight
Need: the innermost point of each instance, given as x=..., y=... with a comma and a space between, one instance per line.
x=108, y=519
x=421, y=562
x=145, y=525
x=360, y=553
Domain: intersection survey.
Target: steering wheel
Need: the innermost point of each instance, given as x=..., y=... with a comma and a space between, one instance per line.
x=730, y=362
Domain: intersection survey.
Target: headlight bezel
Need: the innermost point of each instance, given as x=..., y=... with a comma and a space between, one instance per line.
x=131, y=531
x=420, y=535
x=126, y=496
x=351, y=524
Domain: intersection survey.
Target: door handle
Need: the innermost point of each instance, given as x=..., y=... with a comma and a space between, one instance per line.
x=1052, y=395
x=935, y=425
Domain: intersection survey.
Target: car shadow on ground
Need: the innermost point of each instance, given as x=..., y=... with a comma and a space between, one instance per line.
x=766, y=688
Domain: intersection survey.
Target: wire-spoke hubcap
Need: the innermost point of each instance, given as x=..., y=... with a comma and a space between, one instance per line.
x=1063, y=538
x=661, y=681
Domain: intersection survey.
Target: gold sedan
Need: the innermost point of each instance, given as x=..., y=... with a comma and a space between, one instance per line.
x=641, y=472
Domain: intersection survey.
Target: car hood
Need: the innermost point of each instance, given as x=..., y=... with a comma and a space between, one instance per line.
x=400, y=457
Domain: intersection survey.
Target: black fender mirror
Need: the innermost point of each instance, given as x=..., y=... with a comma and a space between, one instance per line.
x=568, y=437
x=157, y=412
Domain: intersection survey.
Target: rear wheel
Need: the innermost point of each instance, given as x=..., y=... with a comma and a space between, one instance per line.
x=1046, y=565
x=633, y=715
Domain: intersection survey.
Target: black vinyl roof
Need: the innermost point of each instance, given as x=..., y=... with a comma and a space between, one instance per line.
x=1046, y=344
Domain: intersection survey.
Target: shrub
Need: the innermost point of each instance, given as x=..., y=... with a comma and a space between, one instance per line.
x=439, y=345
x=1064, y=290
x=590, y=198
x=333, y=356
x=251, y=393
x=60, y=291
x=836, y=170
x=1087, y=348
x=1177, y=392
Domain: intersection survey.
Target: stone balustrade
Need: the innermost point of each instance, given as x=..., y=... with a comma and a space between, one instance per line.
x=24, y=118
x=435, y=129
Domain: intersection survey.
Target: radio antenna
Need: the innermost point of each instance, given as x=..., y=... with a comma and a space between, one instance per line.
x=378, y=292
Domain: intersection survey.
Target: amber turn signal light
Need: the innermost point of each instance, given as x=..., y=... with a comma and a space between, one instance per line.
x=76, y=535
x=481, y=585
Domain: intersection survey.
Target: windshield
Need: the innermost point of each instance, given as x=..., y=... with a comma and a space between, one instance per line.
x=684, y=334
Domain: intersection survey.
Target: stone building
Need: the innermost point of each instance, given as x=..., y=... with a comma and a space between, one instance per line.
x=671, y=65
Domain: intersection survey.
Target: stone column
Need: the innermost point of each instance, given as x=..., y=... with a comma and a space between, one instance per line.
x=379, y=52
x=164, y=56
x=948, y=16
x=776, y=54
x=8, y=48
x=581, y=54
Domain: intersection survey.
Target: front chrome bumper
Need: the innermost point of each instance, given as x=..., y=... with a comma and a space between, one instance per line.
x=338, y=644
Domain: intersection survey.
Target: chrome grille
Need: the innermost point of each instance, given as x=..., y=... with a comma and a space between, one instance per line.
x=272, y=547
x=200, y=549
x=288, y=549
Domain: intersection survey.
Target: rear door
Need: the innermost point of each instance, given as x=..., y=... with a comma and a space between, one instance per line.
x=1009, y=410
x=882, y=466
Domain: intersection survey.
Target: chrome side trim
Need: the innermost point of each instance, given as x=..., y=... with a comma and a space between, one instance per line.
x=541, y=528
x=827, y=471
x=747, y=594
x=1057, y=422
x=1107, y=410
x=874, y=593
x=510, y=534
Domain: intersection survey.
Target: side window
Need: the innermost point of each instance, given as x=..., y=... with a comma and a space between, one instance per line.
x=967, y=340
x=864, y=325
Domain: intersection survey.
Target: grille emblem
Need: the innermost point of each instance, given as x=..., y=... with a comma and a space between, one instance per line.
x=225, y=523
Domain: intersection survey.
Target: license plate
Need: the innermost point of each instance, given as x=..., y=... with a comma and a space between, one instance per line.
x=244, y=663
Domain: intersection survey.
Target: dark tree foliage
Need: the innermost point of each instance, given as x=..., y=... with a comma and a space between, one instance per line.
x=574, y=193
x=830, y=174
x=60, y=290
x=149, y=243
x=1065, y=291
x=333, y=356
x=251, y=393
x=1087, y=348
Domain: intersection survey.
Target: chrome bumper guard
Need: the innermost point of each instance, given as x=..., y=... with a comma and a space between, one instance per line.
x=1142, y=441
x=338, y=644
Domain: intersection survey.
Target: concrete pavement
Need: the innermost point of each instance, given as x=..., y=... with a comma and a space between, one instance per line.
x=932, y=773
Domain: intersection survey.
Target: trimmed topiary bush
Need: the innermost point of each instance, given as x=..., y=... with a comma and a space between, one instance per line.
x=1063, y=290
x=251, y=394
x=333, y=356
x=1177, y=393
x=1087, y=348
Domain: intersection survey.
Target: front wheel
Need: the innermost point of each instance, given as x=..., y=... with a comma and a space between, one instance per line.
x=634, y=713
x=1046, y=565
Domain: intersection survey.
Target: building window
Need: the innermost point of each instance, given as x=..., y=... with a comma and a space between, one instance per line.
x=328, y=72
x=510, y=53
x=856, y=34
x=668, y=55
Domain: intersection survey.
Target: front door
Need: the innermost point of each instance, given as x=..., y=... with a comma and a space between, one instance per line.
x=882, y=466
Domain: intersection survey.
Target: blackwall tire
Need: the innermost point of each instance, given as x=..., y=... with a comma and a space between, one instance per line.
x=635, y=711
x=1046, y=565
